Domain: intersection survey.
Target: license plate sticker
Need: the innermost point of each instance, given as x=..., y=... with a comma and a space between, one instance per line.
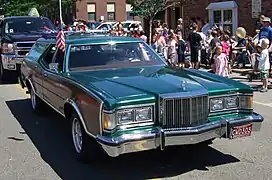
x=241, y=131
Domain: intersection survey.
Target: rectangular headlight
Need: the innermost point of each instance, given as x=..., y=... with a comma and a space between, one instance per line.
x=143, y=114
x=217, y=104
x=231, y=102
x=125, y=116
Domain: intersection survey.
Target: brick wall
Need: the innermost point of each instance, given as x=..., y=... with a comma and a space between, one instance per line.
x=101, y=9
x=197, y=8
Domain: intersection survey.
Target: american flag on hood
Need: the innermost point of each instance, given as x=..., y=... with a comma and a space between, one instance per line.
x=60, y=40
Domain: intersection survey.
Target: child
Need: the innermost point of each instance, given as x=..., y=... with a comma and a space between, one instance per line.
x=264, y=63
x=226, y=49
x=172, y=49
x=221, y=62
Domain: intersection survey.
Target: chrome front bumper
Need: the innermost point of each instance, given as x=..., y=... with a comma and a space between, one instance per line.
x=156, y=137
x=10, y=62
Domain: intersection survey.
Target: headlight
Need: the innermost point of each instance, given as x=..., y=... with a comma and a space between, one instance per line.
x=143, y=114
x=125, y=116
x=7, y=48
x=217, y=104
x=246, y=102
x=231, y=102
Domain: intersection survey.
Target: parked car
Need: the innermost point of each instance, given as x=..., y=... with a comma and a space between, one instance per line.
x=105, y=26
x=130, y=25
x=121, y=96
x=18, y=34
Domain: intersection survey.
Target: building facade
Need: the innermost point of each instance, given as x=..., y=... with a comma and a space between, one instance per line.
x=106, y=10
x=229, y=14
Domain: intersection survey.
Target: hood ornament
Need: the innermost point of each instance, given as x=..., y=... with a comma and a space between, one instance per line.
x=183, y=84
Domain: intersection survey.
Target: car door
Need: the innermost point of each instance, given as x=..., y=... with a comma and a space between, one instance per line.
x=54, y=89
x=31, y=69
x=44, y=63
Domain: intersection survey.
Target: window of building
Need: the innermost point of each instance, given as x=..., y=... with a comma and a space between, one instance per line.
x=91, y=12
x=111, y=11
x=224, y=14
x=129, y=12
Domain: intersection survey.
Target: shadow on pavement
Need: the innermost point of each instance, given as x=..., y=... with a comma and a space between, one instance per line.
x=51, y=137
x=12, y=80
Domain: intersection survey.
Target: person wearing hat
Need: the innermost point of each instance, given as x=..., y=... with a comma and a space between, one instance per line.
x=264, y=63
x=266, y=30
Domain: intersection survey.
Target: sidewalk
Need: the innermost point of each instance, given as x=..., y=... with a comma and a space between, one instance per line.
x=242, y=76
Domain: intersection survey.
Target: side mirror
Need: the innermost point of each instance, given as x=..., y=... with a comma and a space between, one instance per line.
x=54, y=67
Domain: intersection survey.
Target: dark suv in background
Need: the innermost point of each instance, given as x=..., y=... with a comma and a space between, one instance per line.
x=17, y=36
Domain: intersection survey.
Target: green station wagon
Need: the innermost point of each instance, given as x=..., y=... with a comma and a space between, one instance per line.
x=121, y=97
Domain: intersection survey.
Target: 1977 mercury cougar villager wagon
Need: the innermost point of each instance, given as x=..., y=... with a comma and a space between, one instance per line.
x=120, y=95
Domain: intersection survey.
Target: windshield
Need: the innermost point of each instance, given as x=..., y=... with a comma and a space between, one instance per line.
x=28, y=25
x=126, y=25
x=105, y=56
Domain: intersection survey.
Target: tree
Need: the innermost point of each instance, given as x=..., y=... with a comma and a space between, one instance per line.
x=22, y=7
x=150, y=8
x=18, y=7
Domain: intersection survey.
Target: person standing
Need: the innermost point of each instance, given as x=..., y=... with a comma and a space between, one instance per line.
x=143, y=36
x=172, y=49
x=226, y=49
x=259, y=22
x=221, y=62
x=266, y=30
x=264, y=63
x=194, y=40
x=214, y=43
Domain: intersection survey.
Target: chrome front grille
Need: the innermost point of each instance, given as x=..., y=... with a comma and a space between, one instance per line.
x=22, y=48
x=184, y=112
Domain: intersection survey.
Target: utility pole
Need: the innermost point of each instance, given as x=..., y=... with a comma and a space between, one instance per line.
x=60, y=14
x=182, y=16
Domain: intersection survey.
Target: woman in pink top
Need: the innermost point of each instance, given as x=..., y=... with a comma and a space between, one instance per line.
x=221, y=62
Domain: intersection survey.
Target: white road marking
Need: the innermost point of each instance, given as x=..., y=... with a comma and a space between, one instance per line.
x=264, y=104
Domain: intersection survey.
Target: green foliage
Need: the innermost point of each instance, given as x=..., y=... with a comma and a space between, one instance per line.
x=22, y=7
x=149, y=8
x=18, y=7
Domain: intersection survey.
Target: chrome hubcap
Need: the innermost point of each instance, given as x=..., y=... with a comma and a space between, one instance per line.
x=77, y=135
x=33, y=100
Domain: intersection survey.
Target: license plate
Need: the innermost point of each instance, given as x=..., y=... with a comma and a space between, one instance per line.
x=241, y=131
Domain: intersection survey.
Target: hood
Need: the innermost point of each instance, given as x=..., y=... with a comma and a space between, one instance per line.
x=135, y=83
x=25, y=36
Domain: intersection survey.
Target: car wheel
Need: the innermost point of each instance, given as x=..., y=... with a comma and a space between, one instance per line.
x=36, y=102
x=21, y=82
x=86, y=148
x=3, y=73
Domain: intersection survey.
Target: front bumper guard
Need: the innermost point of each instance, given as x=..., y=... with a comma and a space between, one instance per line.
x=10, y=61
x=158, y=137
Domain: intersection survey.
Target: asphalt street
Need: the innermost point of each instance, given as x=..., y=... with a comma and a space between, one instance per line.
x=40, y=148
